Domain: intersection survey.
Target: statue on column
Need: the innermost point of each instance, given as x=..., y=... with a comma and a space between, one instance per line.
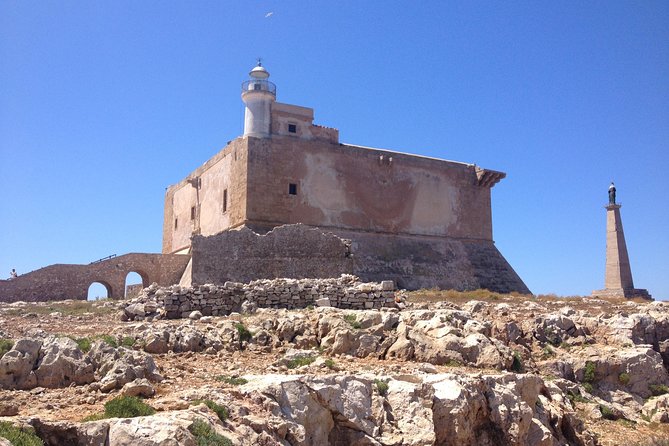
x=612, y=193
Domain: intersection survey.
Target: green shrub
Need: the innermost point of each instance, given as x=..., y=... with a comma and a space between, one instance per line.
x=244, y=333
x=84, y=344
x=109, y=340
x=19, y=437
x=127, y=407
x=5, y=346
x=658, y=389
x=577, y=398
x=607, y=413
x=329, y=363
x=588, y=387
x=231, y=380
x=128, y=341
x=589, y=373
x=352, y=319
x=205, y=435
x=453, y=363
x=221, y=411
x=300, y=361
x=517, y=364
x=381, y=387
x=624, y=379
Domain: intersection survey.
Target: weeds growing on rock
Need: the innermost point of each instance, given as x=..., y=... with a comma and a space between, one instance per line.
x=381, y=387
x=658, y=389
x=205, y=435
x=19, y=437
x=5, y=346
x=244, y=333
x=221, y=411
x=329, y=363
x=577, y=398
x=233, y=381
x=589, y=373
x=607, y=413
x=352, y=319
x=624, y=379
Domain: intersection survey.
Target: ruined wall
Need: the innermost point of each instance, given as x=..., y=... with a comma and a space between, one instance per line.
x=300, y=251
x=348, y=187
x=342, y=292
x=59, y=282
x=293, y=251
x=196, y=205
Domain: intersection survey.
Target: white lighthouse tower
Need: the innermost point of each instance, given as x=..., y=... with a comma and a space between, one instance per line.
x=258, y=94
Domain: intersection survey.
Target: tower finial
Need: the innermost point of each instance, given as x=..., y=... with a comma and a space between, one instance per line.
x=259, y=61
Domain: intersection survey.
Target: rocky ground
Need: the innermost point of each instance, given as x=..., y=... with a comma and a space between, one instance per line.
x=449, y=369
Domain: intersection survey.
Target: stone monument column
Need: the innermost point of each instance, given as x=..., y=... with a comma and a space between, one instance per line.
x=618, y=272
x=618, y=276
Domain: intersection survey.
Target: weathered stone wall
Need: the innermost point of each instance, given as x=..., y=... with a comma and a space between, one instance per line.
x=59, y=282
x=300, y=251
x=292, y=251
x=343, y=292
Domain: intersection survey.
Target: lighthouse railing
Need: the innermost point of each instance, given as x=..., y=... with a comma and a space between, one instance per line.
x=259, y=85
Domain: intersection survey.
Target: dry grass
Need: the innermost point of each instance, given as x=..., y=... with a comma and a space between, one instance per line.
x=66, y=308
x=437, y=295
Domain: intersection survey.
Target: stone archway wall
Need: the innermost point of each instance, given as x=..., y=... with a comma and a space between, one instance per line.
x=59, y=282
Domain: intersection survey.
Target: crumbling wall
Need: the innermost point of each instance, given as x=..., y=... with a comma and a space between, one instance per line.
x=300, y=251
x=345, y=291
x=291, y=251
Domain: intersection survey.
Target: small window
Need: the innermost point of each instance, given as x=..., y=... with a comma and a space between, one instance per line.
x=292, y=128
x=292, y=189
x=192, y=213
x=257, y=87
x=176, y=223
x=225, y=200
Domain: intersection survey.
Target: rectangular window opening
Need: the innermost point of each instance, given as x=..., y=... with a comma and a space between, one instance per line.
x=292, y=189
x=192, y=213
x=176, y=223
x=225, y=200
x=292, y=128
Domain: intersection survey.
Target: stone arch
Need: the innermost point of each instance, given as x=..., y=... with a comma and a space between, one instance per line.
x=104, y=283
x=145, y=282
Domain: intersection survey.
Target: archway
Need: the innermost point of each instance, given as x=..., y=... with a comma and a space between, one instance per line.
x=99, y=290
x=135, y=281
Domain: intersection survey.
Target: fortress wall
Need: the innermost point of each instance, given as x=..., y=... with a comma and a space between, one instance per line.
x=350, y=187
x=61, y=281
x=293, y=251
x=300, y=251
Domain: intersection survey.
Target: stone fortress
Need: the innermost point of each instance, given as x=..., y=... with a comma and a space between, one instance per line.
x=287, y=199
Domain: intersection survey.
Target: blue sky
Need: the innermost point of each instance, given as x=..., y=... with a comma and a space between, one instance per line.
x=103, y=104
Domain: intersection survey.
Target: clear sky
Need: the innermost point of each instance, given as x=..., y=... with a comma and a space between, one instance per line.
x=103, y=104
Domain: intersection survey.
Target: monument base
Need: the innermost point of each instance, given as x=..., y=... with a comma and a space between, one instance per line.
x=627, y=293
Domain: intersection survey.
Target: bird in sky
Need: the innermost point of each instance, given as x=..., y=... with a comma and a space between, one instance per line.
x=269, y=14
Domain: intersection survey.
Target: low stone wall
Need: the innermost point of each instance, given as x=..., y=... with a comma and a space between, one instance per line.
x=177, y=302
